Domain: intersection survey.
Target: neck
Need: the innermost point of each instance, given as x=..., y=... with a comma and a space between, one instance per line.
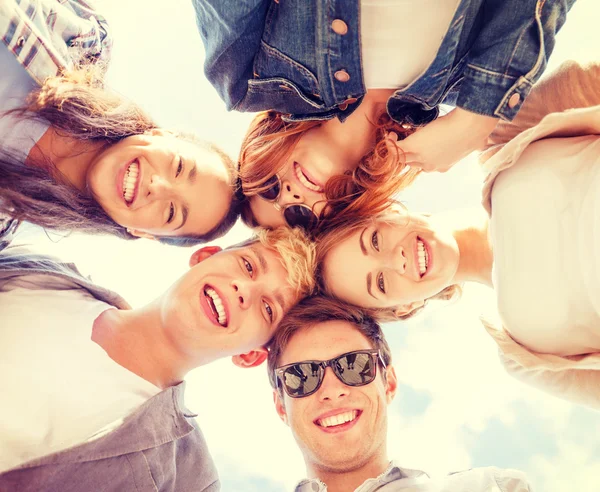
x=349, y=479
x=355, y=137
x=70, y=157
x=470, y=230
x=136, y=340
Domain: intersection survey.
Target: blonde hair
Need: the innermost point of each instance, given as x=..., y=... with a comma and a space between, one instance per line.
x=297, y=253
x=327, y=241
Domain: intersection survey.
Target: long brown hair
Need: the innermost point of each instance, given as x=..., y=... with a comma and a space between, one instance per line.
x=367, y=191
x=78, y=105
x=328, y=240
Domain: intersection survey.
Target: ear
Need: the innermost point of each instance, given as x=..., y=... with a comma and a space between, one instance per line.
x=250, y=359
x=203, y=253
x=391, y=384
x=138, y=233
x=280, y=407
x=408, y=308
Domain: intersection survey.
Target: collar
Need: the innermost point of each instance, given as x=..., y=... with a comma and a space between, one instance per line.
x=392, y=473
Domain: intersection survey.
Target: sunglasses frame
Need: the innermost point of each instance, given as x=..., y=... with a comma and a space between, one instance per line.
x=281, y=209
x=324, y=364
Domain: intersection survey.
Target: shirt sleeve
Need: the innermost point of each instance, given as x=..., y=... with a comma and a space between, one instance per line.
x=570, y=86
x=509, y=54
x=231, y=31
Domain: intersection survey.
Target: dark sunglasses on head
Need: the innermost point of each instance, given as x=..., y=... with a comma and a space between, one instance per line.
x=297, y=215
x=302, y=379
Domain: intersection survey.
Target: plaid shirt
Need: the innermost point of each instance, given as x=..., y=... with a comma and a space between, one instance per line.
x=49, y=35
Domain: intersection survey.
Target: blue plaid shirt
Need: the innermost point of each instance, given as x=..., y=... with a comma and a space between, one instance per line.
x=49, y=35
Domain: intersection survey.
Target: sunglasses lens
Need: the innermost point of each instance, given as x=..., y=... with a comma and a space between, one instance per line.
x=302, y=379
x=272, y=188
x=300, y=216
x=356, y=369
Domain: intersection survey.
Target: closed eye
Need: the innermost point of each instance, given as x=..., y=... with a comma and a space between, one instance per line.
x=381, y=283
x=171, y=213
x=179, y=167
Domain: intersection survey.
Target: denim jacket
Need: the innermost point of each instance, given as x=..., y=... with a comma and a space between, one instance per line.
x=158, y=447
x=284, y=55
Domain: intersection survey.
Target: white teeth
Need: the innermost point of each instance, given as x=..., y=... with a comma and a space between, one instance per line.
x=423, y=257
x=218, y=304
x=338, y=419
x=130, y=180
x=304, y=181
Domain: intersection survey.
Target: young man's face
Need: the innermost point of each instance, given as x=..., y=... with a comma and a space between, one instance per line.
x=230, y=302
x=348, y=446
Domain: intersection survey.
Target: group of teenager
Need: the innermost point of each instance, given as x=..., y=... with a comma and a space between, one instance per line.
x=347, y=96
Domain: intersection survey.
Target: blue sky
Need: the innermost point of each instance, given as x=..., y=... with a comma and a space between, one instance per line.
x=455, y=407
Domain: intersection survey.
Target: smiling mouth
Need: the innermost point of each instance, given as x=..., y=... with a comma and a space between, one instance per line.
x=216, y=305
x=305, y=180
x=130, y=182
x=423, y=257
x=338, y=420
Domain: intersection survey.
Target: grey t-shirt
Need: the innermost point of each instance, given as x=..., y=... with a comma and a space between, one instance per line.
x=17, y=135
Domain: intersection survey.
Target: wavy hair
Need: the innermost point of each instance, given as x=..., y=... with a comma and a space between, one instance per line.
x=368, y=190
x=78, y=105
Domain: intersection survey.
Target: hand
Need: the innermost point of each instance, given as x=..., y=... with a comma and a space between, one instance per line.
x=446, y=140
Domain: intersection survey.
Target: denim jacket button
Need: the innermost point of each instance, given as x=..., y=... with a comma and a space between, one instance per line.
x=339, y=27
x=342, y=76
x=514, y=100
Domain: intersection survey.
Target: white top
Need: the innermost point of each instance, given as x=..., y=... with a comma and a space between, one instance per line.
x=17, y=135
x=59, y=388
x=545, y=229
x=400, y=38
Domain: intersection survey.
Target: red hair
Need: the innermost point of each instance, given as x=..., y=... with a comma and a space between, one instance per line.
x=366, y=191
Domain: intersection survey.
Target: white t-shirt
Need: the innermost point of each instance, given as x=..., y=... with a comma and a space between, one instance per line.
x=545, y=230
x=59, y=388
x=17, y=135
x=400, y=38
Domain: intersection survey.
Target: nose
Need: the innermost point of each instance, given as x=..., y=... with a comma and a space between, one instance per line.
x=397, y=260
x=290, y=194
x=159, y=187
x=332, y=388
x=244, y=292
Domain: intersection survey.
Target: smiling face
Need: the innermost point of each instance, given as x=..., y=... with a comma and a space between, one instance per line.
x=229, y=303
x=160, y=185
x=316, y=420
x=391, y=263
x=314, y=160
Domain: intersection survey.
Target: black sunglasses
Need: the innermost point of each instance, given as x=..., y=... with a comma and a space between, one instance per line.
x=302, y=379
x=297, y=215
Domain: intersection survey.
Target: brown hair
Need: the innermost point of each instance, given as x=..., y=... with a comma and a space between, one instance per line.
x=78, y=106
x=320, y=309
x=328, y=240
x=368, y=190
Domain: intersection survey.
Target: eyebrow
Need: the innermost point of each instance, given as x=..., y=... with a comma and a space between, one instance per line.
x=184, y=213
x=192, y=173
x=369, y=284
x=362, y=243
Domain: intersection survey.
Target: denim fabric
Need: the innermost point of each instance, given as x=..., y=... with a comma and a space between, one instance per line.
x=283, y=55
x=158, y=447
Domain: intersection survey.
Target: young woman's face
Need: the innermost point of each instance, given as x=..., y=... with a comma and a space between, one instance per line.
x=389, y=264
x=161, y=185
x=313, y=161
